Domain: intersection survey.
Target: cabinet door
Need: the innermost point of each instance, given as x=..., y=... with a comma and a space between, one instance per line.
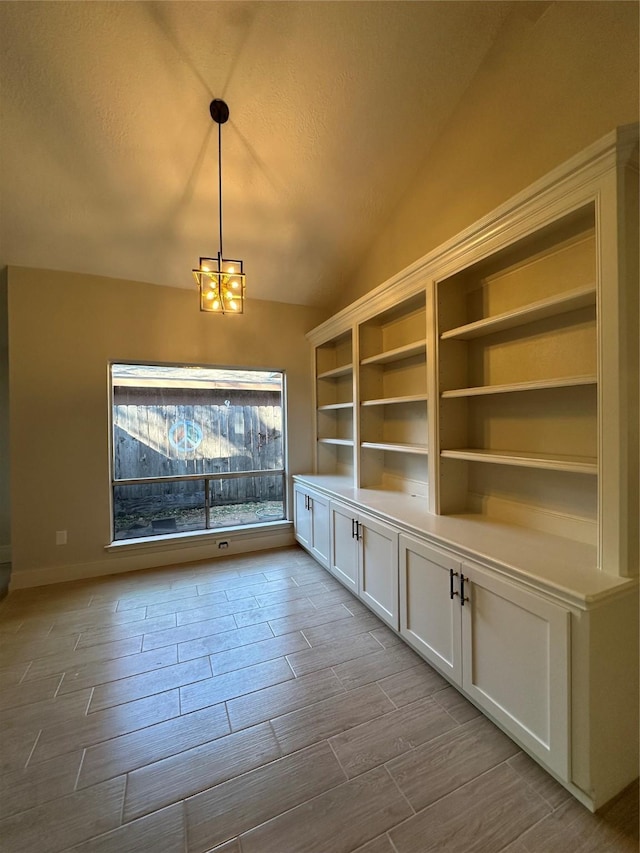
x=515, y=647
x=319, y=528
x=378, y=586
x=429, y=617
x=344, y=546
x=301, y=517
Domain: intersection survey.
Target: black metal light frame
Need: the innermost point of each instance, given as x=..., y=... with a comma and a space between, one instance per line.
x=220, y=280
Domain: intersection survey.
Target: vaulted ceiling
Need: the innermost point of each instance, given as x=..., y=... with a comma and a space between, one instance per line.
x=109, y=155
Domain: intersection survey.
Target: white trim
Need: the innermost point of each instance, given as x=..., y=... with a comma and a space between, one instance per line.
x=119, y=561
x=195, y=538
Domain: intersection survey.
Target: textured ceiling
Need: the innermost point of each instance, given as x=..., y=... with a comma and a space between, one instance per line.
x=109, y=156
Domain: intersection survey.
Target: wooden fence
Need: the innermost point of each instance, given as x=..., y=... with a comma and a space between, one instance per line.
x=174, y=440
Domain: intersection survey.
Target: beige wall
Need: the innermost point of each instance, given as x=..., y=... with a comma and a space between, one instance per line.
x=5, y=515
x=63, y=330
x=548, y=88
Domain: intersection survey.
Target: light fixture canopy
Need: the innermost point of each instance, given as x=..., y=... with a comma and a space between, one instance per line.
x=221, y=281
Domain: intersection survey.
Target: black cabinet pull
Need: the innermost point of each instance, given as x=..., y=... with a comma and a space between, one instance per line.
x=358, y=530
x=452, y=592
x=462, y=596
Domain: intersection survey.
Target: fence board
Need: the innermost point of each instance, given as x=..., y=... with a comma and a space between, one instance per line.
x=234, y=438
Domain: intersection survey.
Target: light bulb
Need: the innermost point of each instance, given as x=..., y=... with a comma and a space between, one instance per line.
x=209, y=295
x=216, y=305
x=235, y=284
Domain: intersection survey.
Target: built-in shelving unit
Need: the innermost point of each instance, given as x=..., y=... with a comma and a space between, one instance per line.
x=518, y=380
x=392, y=382
x=484, y=380
x=515, y=493
x=335, y=405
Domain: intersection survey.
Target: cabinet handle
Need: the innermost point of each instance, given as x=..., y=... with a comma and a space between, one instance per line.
x=462, y=596
x=452, y=575
x=353, y=528
x=310, y=504
x=357, y=526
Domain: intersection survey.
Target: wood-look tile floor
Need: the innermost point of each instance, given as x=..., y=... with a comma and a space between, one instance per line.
x=253, y=705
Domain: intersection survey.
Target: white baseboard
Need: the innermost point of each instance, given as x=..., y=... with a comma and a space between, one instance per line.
x=131, y=561
x=5, y=553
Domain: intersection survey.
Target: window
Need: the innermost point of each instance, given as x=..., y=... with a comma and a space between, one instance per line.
x=195, y=448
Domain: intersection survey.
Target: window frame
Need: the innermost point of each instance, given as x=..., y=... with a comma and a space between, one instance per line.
x=207, y=478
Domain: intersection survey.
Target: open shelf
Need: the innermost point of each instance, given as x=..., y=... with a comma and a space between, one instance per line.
x=397, y=354
x=332, y=407
x=392, y=383
x=570, y=464
x=511, y=387
x=395, y=467
x=418, y=449
x=390, y=401
x=394, y=330
x=335, y=405
x=572, y=300
x=335, y=372
x=518, y=382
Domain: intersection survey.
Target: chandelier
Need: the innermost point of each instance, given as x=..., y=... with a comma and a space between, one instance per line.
x=221, y=281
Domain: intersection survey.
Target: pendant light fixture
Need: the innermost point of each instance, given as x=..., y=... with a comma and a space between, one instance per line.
x=221, y=281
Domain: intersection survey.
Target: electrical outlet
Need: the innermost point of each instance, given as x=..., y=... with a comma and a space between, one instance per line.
x=61, y=537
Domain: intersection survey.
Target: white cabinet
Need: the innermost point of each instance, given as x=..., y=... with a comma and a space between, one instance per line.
x=364, y=557
x=430, y=620
x=344, y=547
x=515, y=662
x=311, y=519
x=507, y=648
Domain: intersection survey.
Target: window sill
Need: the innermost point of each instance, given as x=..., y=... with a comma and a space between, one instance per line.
x=198, y=537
